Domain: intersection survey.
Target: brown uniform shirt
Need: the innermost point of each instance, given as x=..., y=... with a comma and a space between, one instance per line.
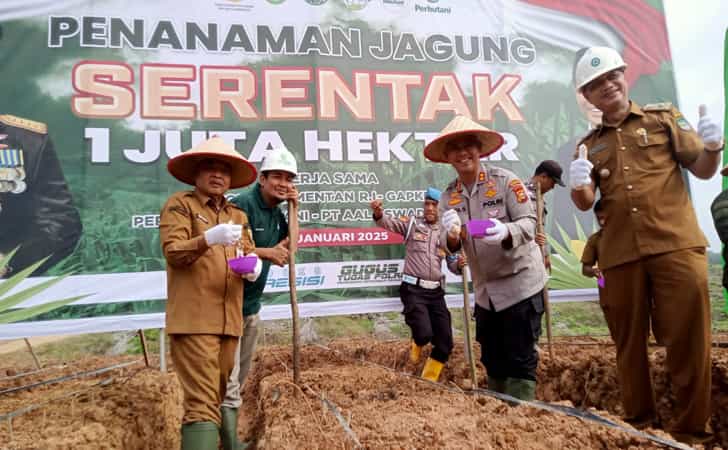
x=425, y=245
x=506, y=276
x=643, y=191
x=590, y=256
x=203, y=295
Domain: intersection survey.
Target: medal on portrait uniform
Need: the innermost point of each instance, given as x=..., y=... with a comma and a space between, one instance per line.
x=12, y=171
x=20, y=187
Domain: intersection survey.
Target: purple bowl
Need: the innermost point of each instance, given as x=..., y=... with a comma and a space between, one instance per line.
x=600, y=282
x=243, y=264
x=477, y=227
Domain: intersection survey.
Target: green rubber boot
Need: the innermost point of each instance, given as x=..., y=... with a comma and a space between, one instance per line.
x=199, y=436
x=497, y=384
x=520, y=388
x=229, y=430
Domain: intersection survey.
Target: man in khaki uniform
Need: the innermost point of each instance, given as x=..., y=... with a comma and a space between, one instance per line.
x=506, y=264
x=651, y=251
x=199, y=232
x=422, y=291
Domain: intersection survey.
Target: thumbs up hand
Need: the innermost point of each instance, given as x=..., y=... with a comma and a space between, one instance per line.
x=580, y=170
x=709, y=131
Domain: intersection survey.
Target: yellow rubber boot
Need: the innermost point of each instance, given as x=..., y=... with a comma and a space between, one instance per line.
x=432, y=370
x=415, y=351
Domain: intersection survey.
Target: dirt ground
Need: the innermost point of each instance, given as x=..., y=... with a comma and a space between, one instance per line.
x=139, y=408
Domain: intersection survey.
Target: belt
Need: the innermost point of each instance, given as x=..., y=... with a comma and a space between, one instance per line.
x=427, y=284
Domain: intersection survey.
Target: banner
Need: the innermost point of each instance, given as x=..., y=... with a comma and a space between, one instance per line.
x=98, y=95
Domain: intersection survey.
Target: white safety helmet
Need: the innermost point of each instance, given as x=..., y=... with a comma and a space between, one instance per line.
x=595, y=62
x=279, y=159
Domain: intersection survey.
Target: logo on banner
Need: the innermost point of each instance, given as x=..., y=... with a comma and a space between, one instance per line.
x=355, y=273
x=304, y=279
x=430, y=8
x=235, y=5
x=356, y=5
x=394, y=3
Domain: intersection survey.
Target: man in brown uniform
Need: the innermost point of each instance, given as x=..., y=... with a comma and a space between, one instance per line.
x=651, y=247
x=199, y=231
x=506, y=264
x=421, y=291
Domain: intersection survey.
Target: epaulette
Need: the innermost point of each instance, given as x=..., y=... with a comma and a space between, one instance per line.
x=585, y=138
x=500, y=172
x=663, y=106
x=25, y=124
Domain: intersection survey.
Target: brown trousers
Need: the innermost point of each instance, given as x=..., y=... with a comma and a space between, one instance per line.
x=671, y=290
x=203, y=363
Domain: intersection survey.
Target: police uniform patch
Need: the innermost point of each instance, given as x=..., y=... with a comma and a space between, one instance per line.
x=490, y=193
x=403, y=219
x=683, y=124
x=520, y=192
x=455, y=199
x=481, y=176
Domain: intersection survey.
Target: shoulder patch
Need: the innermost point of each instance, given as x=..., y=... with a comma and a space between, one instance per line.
x=500, y=172
x=26, y=124
x=662, y=106
x=179, y=209
x=520, y=192
x=455, y=199
x=404, y=219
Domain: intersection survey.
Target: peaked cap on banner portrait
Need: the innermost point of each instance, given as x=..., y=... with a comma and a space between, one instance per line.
x=184, y=166
x=461, y=126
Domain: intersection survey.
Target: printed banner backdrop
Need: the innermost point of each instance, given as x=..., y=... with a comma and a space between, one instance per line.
x=725, y=121
x=354, y=88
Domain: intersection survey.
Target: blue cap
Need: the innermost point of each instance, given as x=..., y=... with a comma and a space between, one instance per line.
x=433, y=194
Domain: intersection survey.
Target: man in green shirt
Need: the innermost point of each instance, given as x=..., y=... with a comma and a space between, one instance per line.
x=261, y=203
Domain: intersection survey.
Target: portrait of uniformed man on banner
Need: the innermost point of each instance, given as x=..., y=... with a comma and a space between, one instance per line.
x=37, y=213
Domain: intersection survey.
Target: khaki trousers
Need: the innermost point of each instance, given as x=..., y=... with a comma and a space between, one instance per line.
x=203, y=363
x=243, y=360
x=671, y=291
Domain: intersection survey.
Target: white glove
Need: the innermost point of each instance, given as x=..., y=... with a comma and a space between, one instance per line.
x=580, y=170
x=252, y=276
x=451, y=221
x=709, y=131
x=223, y=234
x=494, y=235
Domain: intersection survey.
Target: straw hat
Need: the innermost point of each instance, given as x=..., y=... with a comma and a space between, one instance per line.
x=724, y=171
x=184, y=166
x=459, y=126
